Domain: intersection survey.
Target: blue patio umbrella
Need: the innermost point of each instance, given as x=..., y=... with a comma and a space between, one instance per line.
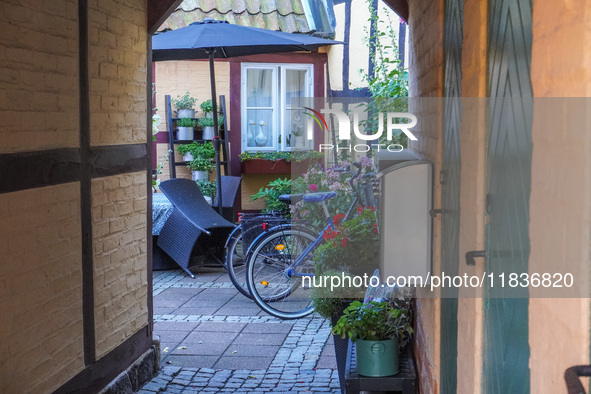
x=219, y=39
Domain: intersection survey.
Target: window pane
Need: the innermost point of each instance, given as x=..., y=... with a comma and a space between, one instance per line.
x=295, y=84
x=259, y=88
x=295, y=129
x=259, y=128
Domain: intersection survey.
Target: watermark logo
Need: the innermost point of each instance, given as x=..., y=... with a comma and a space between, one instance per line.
x=344, y=129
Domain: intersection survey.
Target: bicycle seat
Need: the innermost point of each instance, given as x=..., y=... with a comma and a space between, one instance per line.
x=290, y=198
x=318, y=197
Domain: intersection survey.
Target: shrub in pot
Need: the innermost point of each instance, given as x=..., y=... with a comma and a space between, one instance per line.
x=186, y=129
x=207, y=108
x=375, y=328
x=202, y=159
x=207, y=124
x=330, y=302
x=184, y=105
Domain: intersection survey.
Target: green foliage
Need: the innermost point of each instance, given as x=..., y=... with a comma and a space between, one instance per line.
x=208, y=122
x=282, y=155
x=186, y=122
x=389, y=80
x=323, y=180
x=271, y=195
x=208, y=188
x=203, y=153
x=158, y=171
x=374, y=321
x=389, y=85
x=330, y=303
x=184, y=102
x=352, y=245
x=206, y=106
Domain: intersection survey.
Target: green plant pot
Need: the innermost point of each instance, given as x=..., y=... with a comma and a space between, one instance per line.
x=377, y=358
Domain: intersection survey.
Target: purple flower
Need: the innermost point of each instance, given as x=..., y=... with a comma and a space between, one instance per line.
x=365, y=161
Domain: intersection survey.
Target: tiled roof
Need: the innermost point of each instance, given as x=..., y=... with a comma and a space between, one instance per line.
x=285, y=15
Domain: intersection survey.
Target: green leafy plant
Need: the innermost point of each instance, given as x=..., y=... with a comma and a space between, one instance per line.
x=206, y=106
x=208, y=122
x=184, y=102
x=282, y=155
x=186, y=122
x=331, y=302
x=271, y=195
x=202, y=153
x=374, y=321
x=351, y=245
x=158, y=171
x=208, y=188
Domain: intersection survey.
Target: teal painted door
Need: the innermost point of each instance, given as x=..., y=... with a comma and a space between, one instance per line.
x=506, y=347
x=450, y=180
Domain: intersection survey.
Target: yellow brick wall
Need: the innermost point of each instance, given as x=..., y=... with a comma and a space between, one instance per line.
x=39, y=78
x=117, y=36
x=560, y=213
x=40, y=288
x=426, y=80
x=119, y=247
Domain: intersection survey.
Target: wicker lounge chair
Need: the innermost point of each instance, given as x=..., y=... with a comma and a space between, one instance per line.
x=194, y=228
x=230, y=185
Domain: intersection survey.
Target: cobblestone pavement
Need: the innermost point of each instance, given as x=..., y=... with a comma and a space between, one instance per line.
x=213, y=339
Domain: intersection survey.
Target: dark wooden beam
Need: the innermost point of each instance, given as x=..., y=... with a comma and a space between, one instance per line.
x=400, y=7
x=158, y=11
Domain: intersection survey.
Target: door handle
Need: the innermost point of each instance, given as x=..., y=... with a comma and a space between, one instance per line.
x=470, y=256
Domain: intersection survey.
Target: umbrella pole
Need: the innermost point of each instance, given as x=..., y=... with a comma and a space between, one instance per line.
x=216, y=139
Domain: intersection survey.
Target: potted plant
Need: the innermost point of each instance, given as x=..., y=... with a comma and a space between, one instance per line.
x=184, y=105
x=271, y=195
x=279, y=162
x=202, y=159
x=186, y=129
x=330, y=303
x=207, y=108
x=208, y=188
x=375, y=328
x=207, y=124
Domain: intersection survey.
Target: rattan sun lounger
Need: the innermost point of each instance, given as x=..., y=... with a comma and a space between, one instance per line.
x=194, y=228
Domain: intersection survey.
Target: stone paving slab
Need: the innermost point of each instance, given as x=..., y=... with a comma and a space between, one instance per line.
x=220, y=342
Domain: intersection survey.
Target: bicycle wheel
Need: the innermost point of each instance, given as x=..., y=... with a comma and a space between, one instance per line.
x=235, y=263
x=274, y=283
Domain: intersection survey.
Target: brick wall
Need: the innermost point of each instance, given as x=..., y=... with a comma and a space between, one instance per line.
x=42, y=346
x=426, y=80
x=175, y=78
x=119, y=247
x=40, y=289
x=117, y=36
x=40, y=263
x=39, y=78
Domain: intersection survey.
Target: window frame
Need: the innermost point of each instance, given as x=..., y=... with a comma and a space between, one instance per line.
x=280, y=105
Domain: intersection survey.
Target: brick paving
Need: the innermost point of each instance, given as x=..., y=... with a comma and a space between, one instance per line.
x=213, y=339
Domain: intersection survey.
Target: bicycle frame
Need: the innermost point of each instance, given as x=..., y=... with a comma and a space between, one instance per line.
x=319, y=239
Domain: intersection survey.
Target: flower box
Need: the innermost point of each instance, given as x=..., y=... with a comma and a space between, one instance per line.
x=262, y=166
x=282, y=166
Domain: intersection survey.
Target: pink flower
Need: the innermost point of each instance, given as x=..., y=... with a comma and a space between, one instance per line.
x=313, y=188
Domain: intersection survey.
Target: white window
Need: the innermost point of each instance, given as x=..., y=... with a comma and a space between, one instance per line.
x=267, y=93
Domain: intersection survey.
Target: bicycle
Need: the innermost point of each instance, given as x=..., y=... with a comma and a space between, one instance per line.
x=279, y=259
x=250, y=226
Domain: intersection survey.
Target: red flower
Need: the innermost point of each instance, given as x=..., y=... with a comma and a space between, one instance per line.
x=359, y=209
x=313, y=188
x=371, y=209
x=344, y=242
x=336, y=220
